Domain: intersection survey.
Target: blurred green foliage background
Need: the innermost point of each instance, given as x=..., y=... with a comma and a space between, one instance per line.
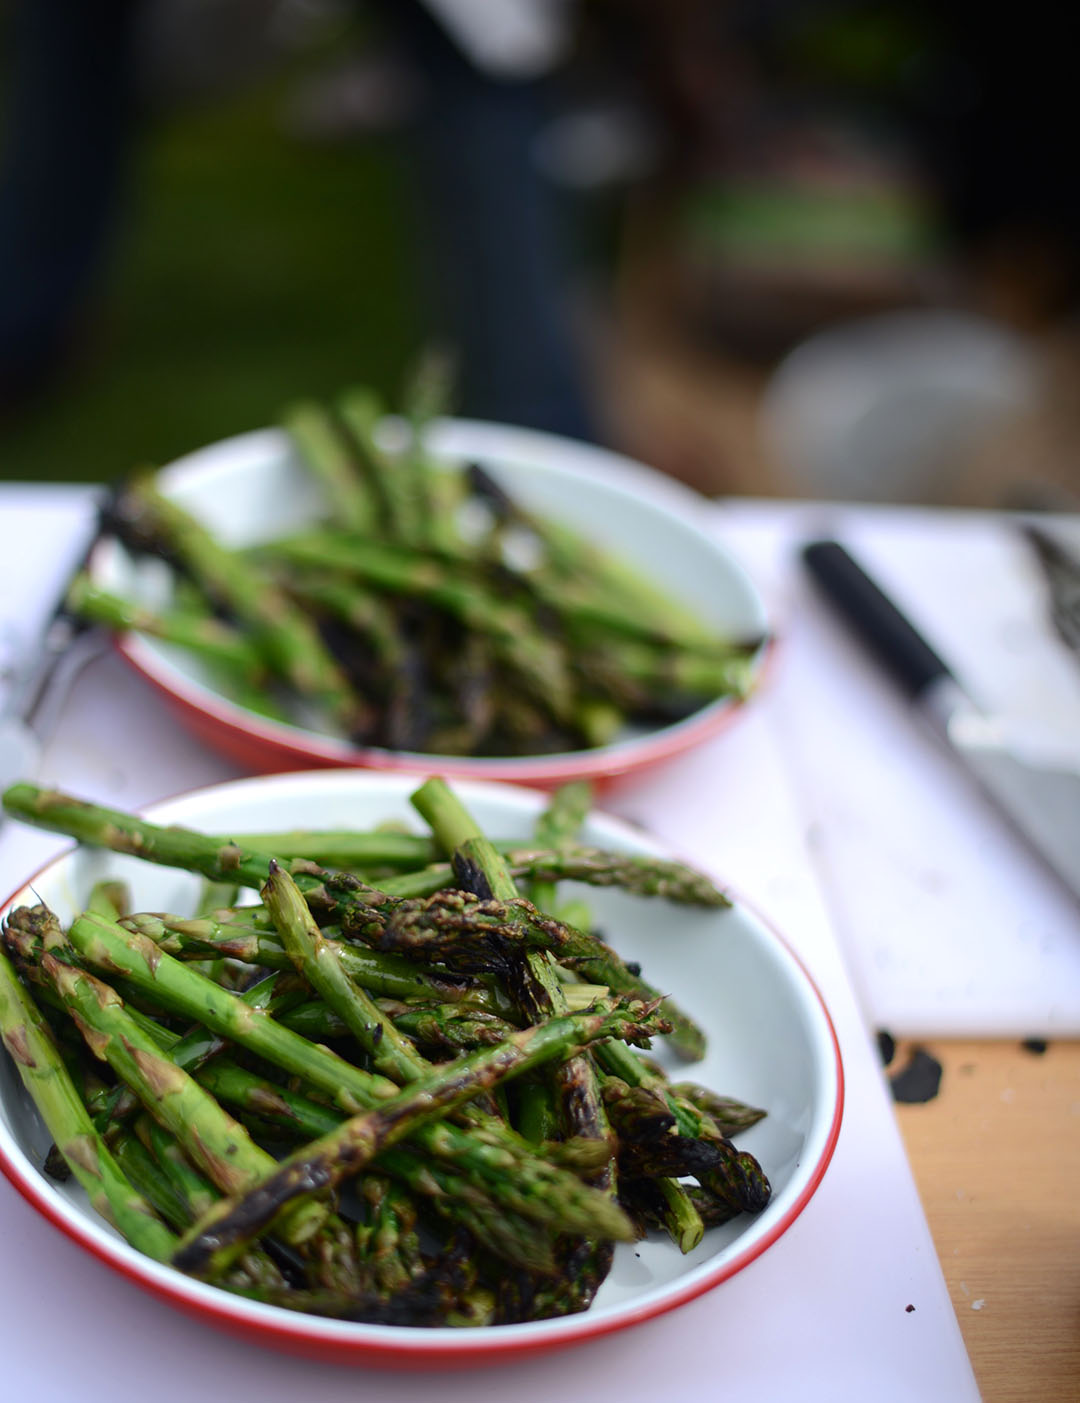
x=252, y=266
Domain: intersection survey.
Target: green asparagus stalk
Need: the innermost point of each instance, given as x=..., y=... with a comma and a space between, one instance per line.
x=731, y=1173
x=555, y=829
x=218, y=1145
x=193, y=1189
x=203, y=634
x=379, y=972
x=194, y=1195
x=27, y=1039
x=528, y=1185
x=642, y=876
x=325, y=451
x=462, y=1198
x=190, y=1052
x=109, y=898
x=31, y=931
x=678, y=1213
x=321, y=963
x=288, y=1111
x=451, y=1028
x=97, y=826
x=463, y=931
x=145, y=1176
x=373, y=643
x=479, y=866
x=363, y=908
x=446, y=1029
x=558, y=825
x=392, y=476
x=390, y=1240
x=537, y=659
x=572, y=567
x=730, y=1115
x=317, y=1167
x=348, y=849
x=654, y=674
x=285, y=636
x=602, y=615
x=198, y=1045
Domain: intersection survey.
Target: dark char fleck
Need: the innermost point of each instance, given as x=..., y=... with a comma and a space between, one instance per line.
x=919, y=1080
x=886, y=1046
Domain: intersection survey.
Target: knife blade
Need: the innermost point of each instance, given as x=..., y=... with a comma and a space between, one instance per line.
x=1040, y=797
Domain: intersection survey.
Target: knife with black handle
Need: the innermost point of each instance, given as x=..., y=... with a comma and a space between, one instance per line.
x=1041, y=800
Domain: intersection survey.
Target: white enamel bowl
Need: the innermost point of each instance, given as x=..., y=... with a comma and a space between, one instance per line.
x=252, y=488
x=770, y=1042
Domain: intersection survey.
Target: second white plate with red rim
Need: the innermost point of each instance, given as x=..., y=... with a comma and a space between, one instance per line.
x=252, y=487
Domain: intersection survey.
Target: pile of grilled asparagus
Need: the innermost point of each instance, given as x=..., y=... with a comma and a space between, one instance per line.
x=426, y=611
x=394, y=1082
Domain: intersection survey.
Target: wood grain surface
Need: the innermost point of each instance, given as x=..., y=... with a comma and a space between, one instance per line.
x=996, y=1155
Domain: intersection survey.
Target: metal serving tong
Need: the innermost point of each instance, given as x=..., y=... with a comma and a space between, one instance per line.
x=44, y=673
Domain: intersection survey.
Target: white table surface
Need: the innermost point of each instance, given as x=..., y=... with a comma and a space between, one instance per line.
x=823, y=1315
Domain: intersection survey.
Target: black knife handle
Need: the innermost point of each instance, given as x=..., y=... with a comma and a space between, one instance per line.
x=876, y=619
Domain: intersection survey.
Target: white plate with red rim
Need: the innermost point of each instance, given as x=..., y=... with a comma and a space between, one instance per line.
x=771, y=1043
x=251, y=488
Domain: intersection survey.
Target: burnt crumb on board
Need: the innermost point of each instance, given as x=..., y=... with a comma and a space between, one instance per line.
x=1035, y=1045
x=886, y=1046
x=918, y=1080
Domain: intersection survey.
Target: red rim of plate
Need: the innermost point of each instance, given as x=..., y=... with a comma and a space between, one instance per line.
x=317, y=1338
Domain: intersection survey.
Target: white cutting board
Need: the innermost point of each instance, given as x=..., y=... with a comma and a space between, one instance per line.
x=950, y=926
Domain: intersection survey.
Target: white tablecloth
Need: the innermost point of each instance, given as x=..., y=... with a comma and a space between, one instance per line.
x=826, y=1314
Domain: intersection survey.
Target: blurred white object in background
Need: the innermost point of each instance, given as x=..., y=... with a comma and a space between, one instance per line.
x=891, y=407
x=509, y=39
